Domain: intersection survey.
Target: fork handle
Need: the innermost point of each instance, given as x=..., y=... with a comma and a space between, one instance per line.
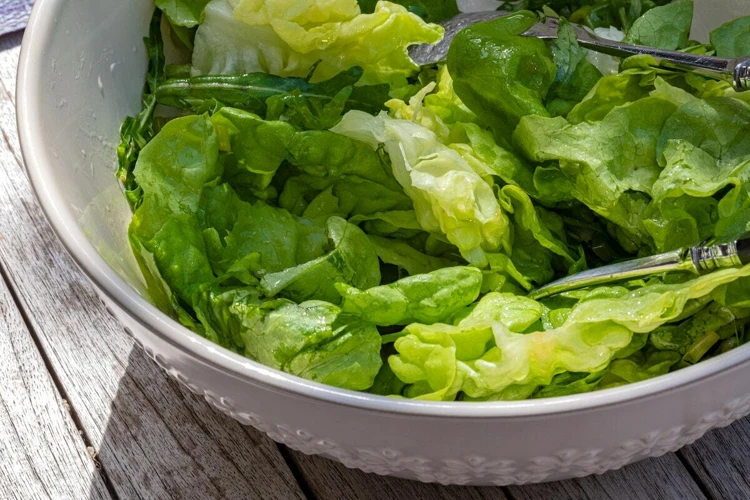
x=736, y=71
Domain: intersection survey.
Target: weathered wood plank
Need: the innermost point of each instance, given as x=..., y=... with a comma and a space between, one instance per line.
x=41, y=455
x=720, y=461
x=655, y=479
x=153, y=439
x=661, y=478
x=329, y=480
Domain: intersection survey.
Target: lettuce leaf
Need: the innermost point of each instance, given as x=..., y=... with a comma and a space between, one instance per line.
x=137, y=131
x=400, y=253
x=499, y=75
x=354, y=173
x=312, y=340
x=224, y=257
x=288, y=37
x=351, y=260
x=610, y=166
x=185, y=13
x=733, y=38
x=490, y=353
x=430, y=10
x=449, y=197
x=260, y=93
x=666, y=27
x=576, y=75
x=425, y=298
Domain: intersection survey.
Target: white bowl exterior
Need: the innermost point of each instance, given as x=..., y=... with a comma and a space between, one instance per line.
x=454, y=450
x=81, y=73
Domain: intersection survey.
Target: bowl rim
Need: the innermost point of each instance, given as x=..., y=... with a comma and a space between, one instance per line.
x=64, y=223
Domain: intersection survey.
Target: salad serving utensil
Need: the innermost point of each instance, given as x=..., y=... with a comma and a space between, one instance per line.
x=735, y=71
x=699, y=259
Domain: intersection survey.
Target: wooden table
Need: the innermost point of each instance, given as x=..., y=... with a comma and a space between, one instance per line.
x=84, y=414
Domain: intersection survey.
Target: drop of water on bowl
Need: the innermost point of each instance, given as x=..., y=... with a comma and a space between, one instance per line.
x=100, y=84
x=113, y=66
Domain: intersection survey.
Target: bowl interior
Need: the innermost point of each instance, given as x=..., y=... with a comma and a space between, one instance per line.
x=89, y=75
x=81, y=73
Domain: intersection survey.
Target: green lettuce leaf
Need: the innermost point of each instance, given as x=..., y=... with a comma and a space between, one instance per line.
x=666, y=27
x=351, y=174
x=424, y=298
x=137, y=131
x=499, y=75
x=234, y=229
x=610, y=92
x=576, y=75
x=434, y=359
x=718, y=125
x=449, y=197
x=636, y=368
x=210, y=247
x=697, y=197
x=186, y=13
x=432, y=11
x=172, y=170
x=438, y=361
x=312, y=340
x=401, y=224
x=733, y=38
x=400, y=253
x=288, y=37
x=352, y=260
x=256, y=92
x=610, y=166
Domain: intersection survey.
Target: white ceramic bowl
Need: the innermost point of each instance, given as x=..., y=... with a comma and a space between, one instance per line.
x=81, y=72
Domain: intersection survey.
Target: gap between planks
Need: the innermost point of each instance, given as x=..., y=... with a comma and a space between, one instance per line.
x=42, y=454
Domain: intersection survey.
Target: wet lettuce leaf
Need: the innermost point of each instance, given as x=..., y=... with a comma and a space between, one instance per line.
x=576, y=75
x=500, y=75
x=313, y=340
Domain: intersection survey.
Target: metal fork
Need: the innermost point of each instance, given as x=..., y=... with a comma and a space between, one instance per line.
x=735, y=71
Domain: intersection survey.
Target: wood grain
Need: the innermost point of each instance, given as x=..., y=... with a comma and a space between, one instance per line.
x=153, y=439
x=331, y=480
x=653, y=479
x=720, y=461
x=41, y=453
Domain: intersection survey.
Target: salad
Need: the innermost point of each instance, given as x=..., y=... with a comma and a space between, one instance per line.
x=305, y=195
